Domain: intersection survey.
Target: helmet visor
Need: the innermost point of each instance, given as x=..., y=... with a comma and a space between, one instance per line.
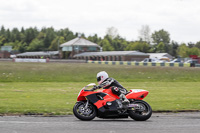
x=98, y=78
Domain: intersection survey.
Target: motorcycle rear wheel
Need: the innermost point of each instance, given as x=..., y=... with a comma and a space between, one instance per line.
x=82, y=113
x=142, y=114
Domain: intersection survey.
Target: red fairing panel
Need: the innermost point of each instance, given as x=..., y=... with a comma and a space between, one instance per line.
x=109, y=92
x=109, y=97
x=83, y=94
x=137, y=95
x=101, y=103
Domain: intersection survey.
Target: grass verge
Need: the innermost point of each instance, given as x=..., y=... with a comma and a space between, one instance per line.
x=58, y=72
x=52, y=88
x=58, y=98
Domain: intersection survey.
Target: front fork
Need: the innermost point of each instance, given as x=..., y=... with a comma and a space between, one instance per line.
x=86, y=105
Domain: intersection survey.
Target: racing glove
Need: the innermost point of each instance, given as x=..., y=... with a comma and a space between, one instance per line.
x=96, y=87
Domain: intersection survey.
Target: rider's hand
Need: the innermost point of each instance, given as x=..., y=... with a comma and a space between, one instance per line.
x=94, y=88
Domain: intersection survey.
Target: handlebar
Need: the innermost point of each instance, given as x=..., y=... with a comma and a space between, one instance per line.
x=94, y=88
x=88, y=90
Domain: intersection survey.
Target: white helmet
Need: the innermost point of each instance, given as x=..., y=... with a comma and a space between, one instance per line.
x=101, y=76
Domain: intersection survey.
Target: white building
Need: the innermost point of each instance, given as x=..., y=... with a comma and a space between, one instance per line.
x=78, y=45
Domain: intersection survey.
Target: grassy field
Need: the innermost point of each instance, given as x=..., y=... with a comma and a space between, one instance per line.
x=58, y=72
x=37, y=88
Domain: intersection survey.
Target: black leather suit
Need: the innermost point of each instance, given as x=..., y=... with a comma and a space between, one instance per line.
x=117, y=88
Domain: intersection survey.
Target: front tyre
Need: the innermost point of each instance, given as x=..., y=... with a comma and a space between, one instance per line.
x=82, y=113
x=142, y=113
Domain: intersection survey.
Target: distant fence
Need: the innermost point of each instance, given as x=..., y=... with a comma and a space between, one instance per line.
x=106, y=62
x=141, y=63
x=30, y=60
x=44, y=60
x=66, y=61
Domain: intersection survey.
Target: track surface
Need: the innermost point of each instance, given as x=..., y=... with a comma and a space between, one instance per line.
x=158, y=123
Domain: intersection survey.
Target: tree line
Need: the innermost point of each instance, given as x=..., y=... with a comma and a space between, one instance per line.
x=49, y=39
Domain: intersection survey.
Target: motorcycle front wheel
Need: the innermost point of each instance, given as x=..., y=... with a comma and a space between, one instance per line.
x=142, y=113
x=84, y=113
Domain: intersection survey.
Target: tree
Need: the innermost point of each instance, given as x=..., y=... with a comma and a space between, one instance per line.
x=55, y=44
x=139, y=46
x=185, y=51
x=161, y=36
x=2, y=36
x=106, y=45
x=41, y=36
x=94, y=39
x=2, y=40
x=182, y=50
x=15, y=35
x=173, y=48
x=145, y=33
x=30, y=34
x=21, y=47
x=190, y=45
x=193, y=51
x=2, y=31
x=67, y=34
x=8, y=35
x=112, y=32
x=161, y=47
x=22, y=30
x=18, y=46
x=198, y=45
x=119, y=43
x=49, y=37
x=36, y=45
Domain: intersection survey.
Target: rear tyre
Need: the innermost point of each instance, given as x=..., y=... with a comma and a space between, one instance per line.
x=82, y=113
x=142, y=114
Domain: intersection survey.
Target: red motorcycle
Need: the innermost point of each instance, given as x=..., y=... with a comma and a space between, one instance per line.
x=104, y=104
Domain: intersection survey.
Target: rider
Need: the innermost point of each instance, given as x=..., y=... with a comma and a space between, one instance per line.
x=105, y=82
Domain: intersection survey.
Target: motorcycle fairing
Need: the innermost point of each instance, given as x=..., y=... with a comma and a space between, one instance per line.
x=100, y=101
x=108, y=91
x=137, y=94
x=83, y=93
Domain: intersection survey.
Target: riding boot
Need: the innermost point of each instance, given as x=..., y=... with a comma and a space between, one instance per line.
x=124, y=99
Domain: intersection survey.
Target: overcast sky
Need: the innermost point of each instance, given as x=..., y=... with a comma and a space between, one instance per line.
x=181, y=18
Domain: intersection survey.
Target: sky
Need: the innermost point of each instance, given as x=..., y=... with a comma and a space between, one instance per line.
x=178, y=17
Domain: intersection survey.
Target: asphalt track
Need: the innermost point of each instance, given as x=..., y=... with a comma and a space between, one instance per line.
x=158, y=123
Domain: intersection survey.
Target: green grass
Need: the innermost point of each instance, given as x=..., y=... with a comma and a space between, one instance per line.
x=37, y=88
x=58, y=72
x=37, y=97
x=59, y=98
